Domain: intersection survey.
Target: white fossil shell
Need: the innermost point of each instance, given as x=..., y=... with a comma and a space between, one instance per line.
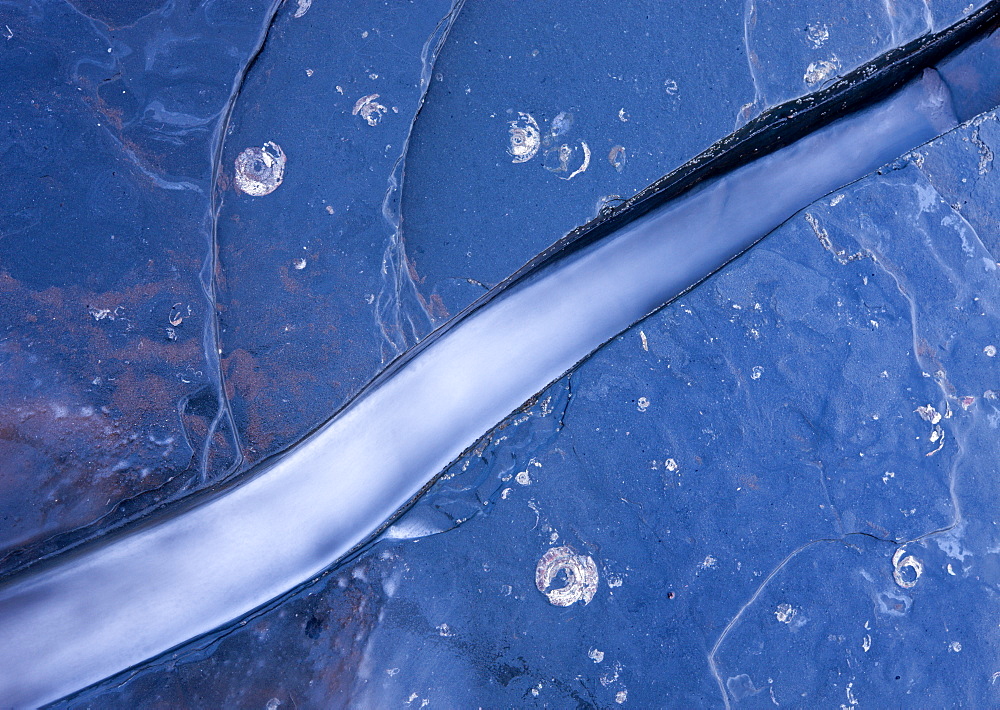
x=581, y=576
x=369, y=109
x=524, y=138
x=259, y=171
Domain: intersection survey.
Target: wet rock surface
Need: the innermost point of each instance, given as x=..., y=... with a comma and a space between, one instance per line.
x=783, y=481
x=111, y=396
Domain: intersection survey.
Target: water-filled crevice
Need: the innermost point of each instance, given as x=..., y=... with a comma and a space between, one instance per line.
x=402, y=315
x=213, y=341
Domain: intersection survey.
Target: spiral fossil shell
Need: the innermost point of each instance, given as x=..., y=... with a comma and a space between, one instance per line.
x=581, y=576
x=259, y=171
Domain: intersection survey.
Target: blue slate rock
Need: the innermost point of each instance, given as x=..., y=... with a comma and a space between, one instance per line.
x=302, y=271
x=784, y=480
x=111, y=397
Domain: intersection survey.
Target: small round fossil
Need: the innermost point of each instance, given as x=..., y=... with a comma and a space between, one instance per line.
x=581, y=576
x=906, y=570
x=369, y=109
x=524, y=138
x=259, y=171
